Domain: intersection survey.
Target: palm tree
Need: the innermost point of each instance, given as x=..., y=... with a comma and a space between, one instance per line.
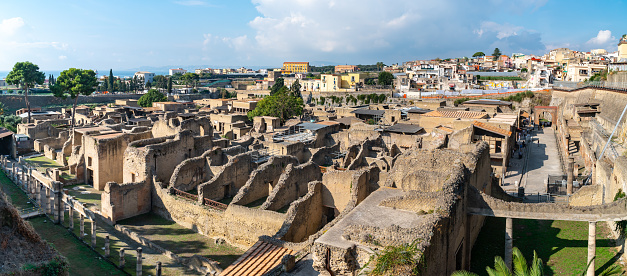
x=520, y=267
x=380, y=65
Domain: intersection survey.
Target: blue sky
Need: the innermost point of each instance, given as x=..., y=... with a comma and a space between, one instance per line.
x=123, y=35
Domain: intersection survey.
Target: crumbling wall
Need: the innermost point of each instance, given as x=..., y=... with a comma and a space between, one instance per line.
x=323, y=156
x=340, y=187
x=292, y=185
x=263, y=179
x=238, y=224
x=54, y=142
x=304, y=216
x=228, y=181
x=120, y=201
x=40, y=130
x=172, y=126
x=190, y=173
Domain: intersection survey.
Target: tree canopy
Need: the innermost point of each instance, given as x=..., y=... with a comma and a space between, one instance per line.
x=282, y=104
x=73, y=83
x=295, y=88
x=479, y=54
x=25, y=75
x=190, y=79
x=278, y=84
x=153, y=95
x=497, y=53
x=385, y=78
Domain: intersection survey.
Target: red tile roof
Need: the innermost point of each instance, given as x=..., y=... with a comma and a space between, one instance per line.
x=492, y=128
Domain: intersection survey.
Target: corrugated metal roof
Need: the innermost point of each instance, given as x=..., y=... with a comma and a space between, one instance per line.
x=487, y=102
x=492, y=128
x=364, y=111
x=260, y=258
x=311, y=126
x=457, y=114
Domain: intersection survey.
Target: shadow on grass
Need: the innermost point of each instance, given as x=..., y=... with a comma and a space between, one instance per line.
x=562, y=245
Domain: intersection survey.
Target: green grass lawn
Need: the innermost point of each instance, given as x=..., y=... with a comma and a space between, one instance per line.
x=562, y=245
x=89, y=199
x=180, y=240
x=43, y=162
x=82, y=260
x=17, y=197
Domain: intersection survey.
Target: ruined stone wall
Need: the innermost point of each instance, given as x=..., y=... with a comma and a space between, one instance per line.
x=190, y=173
x=104, y=157
x=263, y=179
x=120, y=201
x=199, y=126
x=292, y=185
x=340, y=187
x=459, y=138
x=38, y=131
x=55, y=142
x=323, y=156
x=239, y=225
x=304, y=216
x=228, y=181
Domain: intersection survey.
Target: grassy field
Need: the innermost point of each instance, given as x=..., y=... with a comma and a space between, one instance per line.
x=180, y=240
x=562, y=245
x=17, y=197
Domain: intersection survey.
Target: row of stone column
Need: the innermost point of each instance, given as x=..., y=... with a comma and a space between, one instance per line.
x=509, y=231
x=50, y=202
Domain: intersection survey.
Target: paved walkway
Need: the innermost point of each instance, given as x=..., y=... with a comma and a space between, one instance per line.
x=543, y=160
x=539, y=160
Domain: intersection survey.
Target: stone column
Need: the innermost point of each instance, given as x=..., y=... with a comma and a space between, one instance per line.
x=122, y=260
x=138, y=270
x=55, y=202
x=22, y=178
x=47, y=200
x=82, y=225
x=38, y=196
x=71, y=215
x=508, y=242
x=107, y=250
x=13, y=172
x=592, y=233
x=62, y=212
x=93, y=232
x=569, y=175
x=158, y=268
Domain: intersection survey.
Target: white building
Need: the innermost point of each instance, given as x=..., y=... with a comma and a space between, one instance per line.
x=148, y=76
x=177, y=71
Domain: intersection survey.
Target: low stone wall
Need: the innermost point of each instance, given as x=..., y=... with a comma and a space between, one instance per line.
x=292, y=185
x=322, y=156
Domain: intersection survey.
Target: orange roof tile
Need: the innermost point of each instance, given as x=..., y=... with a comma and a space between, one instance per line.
x=492, y=128
x=456, y=114
x=525, y=114
x=259, y=259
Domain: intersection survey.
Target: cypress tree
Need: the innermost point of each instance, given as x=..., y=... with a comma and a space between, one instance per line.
x=111, y=80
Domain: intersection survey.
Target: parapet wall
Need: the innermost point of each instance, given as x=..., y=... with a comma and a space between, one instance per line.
x=228, y=181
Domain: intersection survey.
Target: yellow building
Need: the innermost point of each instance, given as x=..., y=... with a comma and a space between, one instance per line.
x=295, y=67
x=351, y=80
x=622, y=48
x=330, y=82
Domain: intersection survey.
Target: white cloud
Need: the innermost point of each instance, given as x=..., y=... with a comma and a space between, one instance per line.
x=501, y=30
x=602, y=39
x=11, y=25
x=62, y=57
x=370, y=31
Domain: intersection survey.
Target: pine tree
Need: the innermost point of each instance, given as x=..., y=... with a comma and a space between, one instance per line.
x=170, y=85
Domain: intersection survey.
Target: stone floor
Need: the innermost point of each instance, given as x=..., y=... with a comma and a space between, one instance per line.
x=540, y=158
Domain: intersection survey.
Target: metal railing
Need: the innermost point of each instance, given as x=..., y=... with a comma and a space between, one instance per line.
x=182, y=194
x=215, y=205
x=622, y=86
